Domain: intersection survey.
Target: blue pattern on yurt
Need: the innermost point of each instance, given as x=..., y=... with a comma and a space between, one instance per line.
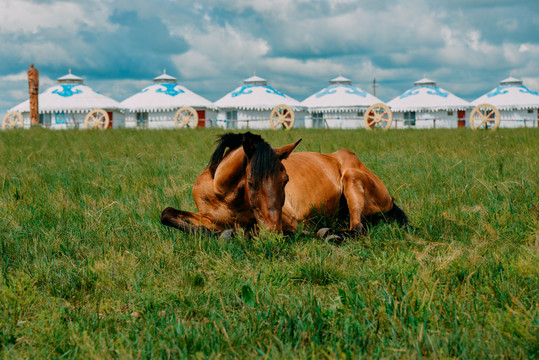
x=170, y=89
x=332, y=89
x=503, y=89
x=245, y=89
x=433, y=90
x=67, y=90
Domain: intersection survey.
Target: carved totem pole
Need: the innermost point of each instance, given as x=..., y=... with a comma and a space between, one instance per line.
x=33, y=87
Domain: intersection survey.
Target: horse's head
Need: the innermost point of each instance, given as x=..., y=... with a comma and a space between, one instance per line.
x=266, y=178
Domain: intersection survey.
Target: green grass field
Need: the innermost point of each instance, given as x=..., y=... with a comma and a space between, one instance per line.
x=88, y=271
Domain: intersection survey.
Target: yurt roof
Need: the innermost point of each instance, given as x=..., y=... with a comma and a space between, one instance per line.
x=70, y=96
x=165, y=78
x=256, y=94
x=511, y=94
x=340, y=96
x=426, y=96
x=70, y=79
x=163, y=95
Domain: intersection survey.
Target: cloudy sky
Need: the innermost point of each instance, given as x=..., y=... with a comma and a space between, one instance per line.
x=118, y=46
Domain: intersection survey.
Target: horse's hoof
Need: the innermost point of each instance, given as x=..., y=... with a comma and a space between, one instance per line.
x=226, y=235
x=322, y=233
x=334, y=239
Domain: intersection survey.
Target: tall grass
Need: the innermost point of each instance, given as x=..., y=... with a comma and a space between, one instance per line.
x=88, y=271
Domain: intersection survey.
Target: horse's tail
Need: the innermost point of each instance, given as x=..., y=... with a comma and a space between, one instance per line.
x=396, y=214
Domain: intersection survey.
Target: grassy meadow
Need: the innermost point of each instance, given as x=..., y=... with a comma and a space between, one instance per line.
x=88, y=271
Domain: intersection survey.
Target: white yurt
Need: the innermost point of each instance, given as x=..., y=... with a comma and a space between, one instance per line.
x=165, y=103
x=339, y=105
x=251, y=106
x=428, y=106
x=518, y=105
x=69, y=104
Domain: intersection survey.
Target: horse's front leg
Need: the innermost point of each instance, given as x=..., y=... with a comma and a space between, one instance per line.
x=189, y=222
x=290, y=225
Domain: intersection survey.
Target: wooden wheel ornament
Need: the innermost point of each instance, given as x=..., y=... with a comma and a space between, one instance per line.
x=186, y=117
x=485, y=116
x=97, y=119
x=282, y=116
x=12, y=120
x=378, y=116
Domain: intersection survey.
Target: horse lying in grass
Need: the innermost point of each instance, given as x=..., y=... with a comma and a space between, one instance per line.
x=248, y=183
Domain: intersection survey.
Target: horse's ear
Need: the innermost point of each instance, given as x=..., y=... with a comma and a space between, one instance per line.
x=286, y=150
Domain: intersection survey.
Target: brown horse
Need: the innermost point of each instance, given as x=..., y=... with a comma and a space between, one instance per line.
x=248, y=183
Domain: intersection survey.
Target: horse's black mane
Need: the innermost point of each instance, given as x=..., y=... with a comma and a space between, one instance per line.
x=264, y=163
x=229, y=141
x=264, y=160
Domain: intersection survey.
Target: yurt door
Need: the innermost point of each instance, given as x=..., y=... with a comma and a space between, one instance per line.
x=201, y=118
x=461, y=115
x=110, y=119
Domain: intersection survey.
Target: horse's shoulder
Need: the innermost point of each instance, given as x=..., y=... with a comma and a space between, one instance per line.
x=204, y=179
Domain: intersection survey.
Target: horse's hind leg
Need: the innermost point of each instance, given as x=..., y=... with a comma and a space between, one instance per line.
x=355, y=197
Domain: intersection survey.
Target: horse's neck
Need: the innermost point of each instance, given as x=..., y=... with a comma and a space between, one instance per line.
x=230, y=172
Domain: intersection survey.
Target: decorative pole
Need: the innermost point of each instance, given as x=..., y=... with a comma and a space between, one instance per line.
x=374, y=86
x=33, y=87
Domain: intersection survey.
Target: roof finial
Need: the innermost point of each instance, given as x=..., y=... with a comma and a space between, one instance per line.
x=254, y=73
x=69, y=71
x=164, y=70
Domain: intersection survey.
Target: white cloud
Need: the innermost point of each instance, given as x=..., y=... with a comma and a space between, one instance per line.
x=322, y=68
x=118, y=89
x=29, y=17
x=18, y=94
x=531, y=82
x=508, y=24
x=14, y=88
x=14, y=77
x=218, y=50
x=298, y=45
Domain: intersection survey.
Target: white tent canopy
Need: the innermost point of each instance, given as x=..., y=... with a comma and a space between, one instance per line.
x=340, y=96
x=70, y=96
x=255, y=94
x=165, y=95
x=510, y=95
x=426, y=96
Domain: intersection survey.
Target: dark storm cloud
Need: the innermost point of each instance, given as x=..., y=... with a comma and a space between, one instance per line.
x=137, y=49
